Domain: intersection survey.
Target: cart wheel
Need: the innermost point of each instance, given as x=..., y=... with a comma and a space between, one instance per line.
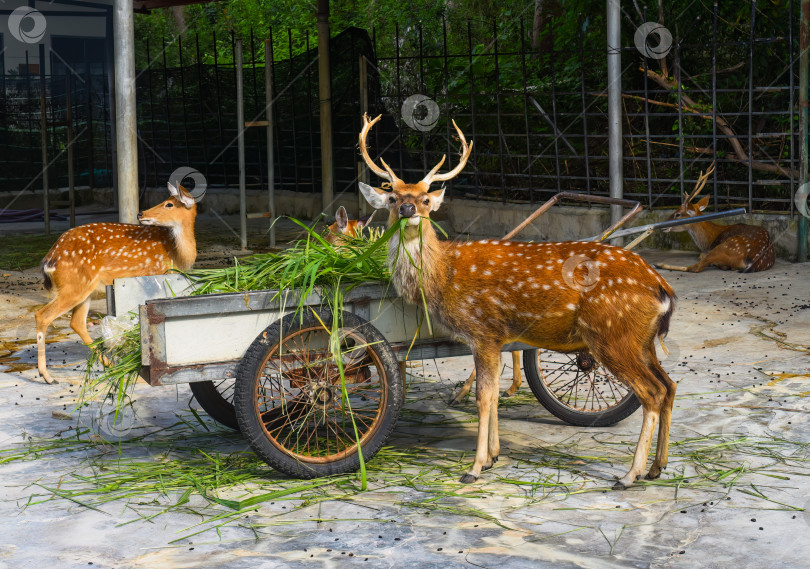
x=578, y=389
x=290, y=400
x=216, y=399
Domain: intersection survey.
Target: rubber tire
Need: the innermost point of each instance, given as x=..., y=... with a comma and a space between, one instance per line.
x=252, y=364
x=213, y=403
x=606, y=418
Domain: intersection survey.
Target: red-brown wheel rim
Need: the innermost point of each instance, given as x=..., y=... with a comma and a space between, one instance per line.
x=299, y=395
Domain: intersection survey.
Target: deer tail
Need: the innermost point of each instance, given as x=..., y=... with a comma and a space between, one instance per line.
x=667, y=298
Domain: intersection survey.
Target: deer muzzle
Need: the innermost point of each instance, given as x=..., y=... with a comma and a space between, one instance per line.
x=407, y=210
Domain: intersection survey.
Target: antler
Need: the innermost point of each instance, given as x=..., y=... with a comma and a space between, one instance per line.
x=388, y=174
x=466, y=150
x=701, y=183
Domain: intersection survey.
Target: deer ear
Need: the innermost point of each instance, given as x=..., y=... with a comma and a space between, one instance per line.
x=437, y=199
x=376, y=198
x=703, y=204
x=366, y=219
x=182, y=195
x=342, y=218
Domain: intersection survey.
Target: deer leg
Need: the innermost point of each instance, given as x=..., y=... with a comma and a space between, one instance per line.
x=44, y=317
x=665, y=419
x=487, y=367
x=516, y=378
x=79, y=321
x=648, y=388
x=464, y=391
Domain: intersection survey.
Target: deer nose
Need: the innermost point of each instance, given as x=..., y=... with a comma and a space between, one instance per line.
x=407, y=210
x=140, y=215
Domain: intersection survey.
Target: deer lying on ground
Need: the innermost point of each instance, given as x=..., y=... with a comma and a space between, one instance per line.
x=343, y=226
x=87, y=258
x=746, y=248
x=489, y=293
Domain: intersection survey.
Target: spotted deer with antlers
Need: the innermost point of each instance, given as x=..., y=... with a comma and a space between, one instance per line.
x=89, y=257
x=492, y=292
x=741, y=247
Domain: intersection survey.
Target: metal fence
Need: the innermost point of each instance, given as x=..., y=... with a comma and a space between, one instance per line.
x=539, y=116
x=535, y=107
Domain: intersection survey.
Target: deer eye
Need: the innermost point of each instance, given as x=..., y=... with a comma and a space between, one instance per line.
x=677, y=215
x=427, y=201
x=169, y=204
x=392, y=199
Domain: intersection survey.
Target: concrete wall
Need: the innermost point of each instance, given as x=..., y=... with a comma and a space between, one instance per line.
x=479, y=219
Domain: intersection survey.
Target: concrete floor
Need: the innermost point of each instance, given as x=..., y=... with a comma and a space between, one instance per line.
x=739, y=349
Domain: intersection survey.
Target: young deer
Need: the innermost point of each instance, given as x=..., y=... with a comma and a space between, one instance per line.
x=343, y=226
x=746, y=248
x=489, y=293
x=89, y=257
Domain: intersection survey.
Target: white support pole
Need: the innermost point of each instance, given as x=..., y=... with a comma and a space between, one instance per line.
x=126, y=140
x=614, y=69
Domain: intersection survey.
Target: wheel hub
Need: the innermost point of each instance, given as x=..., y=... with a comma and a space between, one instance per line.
x=585, y=361
x=322, y=394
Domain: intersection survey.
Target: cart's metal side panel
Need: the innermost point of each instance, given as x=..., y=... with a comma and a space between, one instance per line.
x=209, y=372
x=132, y=292
x=400, y=322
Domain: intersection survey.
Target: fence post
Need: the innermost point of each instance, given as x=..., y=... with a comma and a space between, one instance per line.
x=268, y=110
x=69, y=120
x=43, y=126
x=362, y=169
x=804, y=62
x=240, y=126
x=325, y=94
x=614, y=69
x=127, y=134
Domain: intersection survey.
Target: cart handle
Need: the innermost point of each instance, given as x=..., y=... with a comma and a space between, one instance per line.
x=672, y=223
x=582, y=198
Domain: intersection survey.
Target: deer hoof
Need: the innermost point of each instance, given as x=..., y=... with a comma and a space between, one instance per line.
x=490, y=464
x=468, y=478
x=47, y=378
x=653, y=474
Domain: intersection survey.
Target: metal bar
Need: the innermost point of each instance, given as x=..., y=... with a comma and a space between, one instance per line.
x=310, y=126
x=151, y=111
x=219, y=106
x=422, y=89
x=362, y=169
x=751, y=108
x=714, y=102
x=88, y=84
x=647, y=128
x=672, y=223
x=255, y=102
x=445, y=56
x=584, y=107
x=168, y=107
x=790, y=106
x=399, y=90
x=472, y=97
x=70, y=142
x=804, y=121
x=294, y=137
x=526, y=107
x=498, y=107
x=680, y=112
x=110, y=149
x=125, y=112
x=554, y=103
x=183, y=97
x=613, y=202
x=325, y=94
x=268, y=111
x=614, y=65
x=240, y=126
x=203, y=129
x=558, y=133
x=43, y=128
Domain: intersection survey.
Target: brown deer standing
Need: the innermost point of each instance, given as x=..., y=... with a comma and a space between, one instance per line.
x=89, y=257
x=488, y=293
x=343, y=226
x=746, y=248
